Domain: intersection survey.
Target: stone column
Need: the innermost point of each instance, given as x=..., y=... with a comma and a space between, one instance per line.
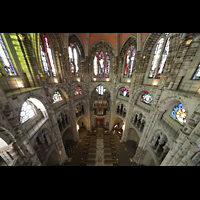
x=139, y=40
x=179, y=142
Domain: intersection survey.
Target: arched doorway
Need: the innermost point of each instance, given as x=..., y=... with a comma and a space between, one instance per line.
x=83, y=127
x=132, y=140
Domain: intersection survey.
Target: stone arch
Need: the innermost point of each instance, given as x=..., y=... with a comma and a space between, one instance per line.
x=101, y=44
x=6, y=134
x=82, y=122
x=37, y=103
x=75, y=39
x=166, y=103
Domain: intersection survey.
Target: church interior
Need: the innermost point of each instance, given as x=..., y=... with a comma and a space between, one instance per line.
x=99, y=99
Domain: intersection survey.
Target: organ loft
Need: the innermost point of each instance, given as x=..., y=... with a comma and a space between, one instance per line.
x=99, y=99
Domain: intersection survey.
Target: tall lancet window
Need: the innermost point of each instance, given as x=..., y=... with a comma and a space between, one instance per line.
x=160, y=57
x=129, y=62
x=73, y=60
x=46, y=56
x=101, y=64
x=5, y=58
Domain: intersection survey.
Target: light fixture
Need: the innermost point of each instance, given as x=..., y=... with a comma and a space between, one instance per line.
x=128, y=81
x=155, y=83
x=20, y=85
x=94, y=79
x=107, y=79
x=78, y=79
x=55, y=81
x=77, y=126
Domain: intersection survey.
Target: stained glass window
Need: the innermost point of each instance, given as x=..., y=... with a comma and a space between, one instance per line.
x=57, y=97
x=100, y=89
x=124, y=92
x=196, y=75
x=27, y=112
x=107, y=67
x=146, y=98
x=45, y=44
x=44, y=59
x=73, y=60
x=129, y=62
x=101, y=64
x=163, y=60
x=160, y=57
x=5, y=58
x=179, y=114
x=77, y=91
x=95, y=64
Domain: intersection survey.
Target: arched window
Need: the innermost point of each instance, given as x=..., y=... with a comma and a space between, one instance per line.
x=179, y=114
x=160, y=57
x=101, y=64
x=77, y=91
x=196, y=75
x=146, y=98
x=5, y=58
x=46, y=56
x=27, y=112
x=73, y=60
x=129, y=62
x=124, y=92
x=57, y=97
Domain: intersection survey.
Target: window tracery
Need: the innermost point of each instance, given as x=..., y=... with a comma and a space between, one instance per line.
x=27, y=112
x=77, y=91
x=179, y=114
x=5, y=58
x=124, y=92
x=101, y=64
x=73, y=60
x=129, y=62
x=160, y=57
x=57, y=97
x=146, y=98
x=46, y=56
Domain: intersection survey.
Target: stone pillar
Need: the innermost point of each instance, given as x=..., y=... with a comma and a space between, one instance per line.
x=139, y=40
x=179, y=142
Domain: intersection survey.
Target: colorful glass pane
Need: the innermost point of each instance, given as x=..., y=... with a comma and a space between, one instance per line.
x=129, y=62
x=156, y=57
x=163, y=60
x=146, y=98
x=124, y=92
x=6, y=59
x=49, y=55
x=95, y=65
x=196, y=75
x=27, y=112
x=179, y=114
x=107, y=67
x=101, y=64
x=75, y=60
x=44, y=60
x=57, y=97
x=77, y=91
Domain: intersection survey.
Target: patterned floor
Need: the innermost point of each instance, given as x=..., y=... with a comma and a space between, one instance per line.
x=102, y=149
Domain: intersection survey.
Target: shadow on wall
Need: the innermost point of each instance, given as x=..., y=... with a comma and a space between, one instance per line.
x=52, y=160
